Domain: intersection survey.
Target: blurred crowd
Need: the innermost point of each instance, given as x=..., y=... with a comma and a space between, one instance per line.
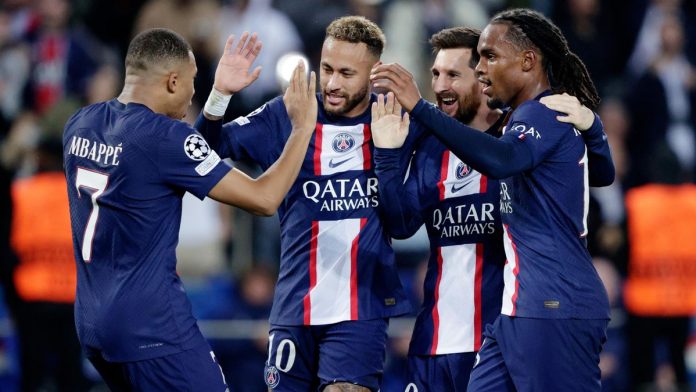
x=58, y=55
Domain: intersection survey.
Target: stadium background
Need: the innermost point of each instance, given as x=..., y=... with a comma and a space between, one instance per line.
x=57, y=55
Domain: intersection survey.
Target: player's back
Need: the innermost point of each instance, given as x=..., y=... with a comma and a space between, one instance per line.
x=125, y=214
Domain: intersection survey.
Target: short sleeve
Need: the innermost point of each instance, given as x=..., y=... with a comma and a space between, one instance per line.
x=259, y=136
x=186, y=161
x=536, y=126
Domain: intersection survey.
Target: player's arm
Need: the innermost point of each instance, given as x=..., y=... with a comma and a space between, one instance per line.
x=495, y=158
x=398, y=202
x=264, y=194
x=231, y=76
x=600, y=164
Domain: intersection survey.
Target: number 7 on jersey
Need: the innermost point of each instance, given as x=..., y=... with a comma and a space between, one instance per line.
x=97, y=182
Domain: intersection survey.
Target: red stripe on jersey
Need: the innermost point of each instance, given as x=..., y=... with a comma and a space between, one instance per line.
x=436, y=314
x=443, y=174
x=478, y=278
x=354, y=273
x=312, y=272
x=515, y=272
x=484, y=184
x=367, y=136
x=317, y=150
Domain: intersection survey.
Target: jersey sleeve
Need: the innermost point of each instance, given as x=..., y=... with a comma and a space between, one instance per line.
x=399, y=203
x=259, y=136
x=600, y=163
x=535, y=126
x=186, y=161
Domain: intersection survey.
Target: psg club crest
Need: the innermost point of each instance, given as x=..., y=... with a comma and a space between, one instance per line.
x=462, y=171
x=271, y=376
x=196, y=148
x=343, y=142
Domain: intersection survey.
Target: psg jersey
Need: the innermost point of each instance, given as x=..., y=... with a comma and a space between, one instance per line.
x=336, y=260
x=459, y=206
x=127, y=169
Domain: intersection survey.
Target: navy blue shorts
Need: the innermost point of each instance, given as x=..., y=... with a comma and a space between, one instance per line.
x=308, y=358
x=525, y=354
x=439, y=373
x=191, y=370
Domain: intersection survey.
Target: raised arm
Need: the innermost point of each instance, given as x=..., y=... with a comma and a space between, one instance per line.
x=600, y=164
x=231, y=76
x=264, y=194
x=398, y=201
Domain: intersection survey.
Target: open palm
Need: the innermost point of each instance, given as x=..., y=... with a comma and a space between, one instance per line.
x=389, y=127
x=232, y=73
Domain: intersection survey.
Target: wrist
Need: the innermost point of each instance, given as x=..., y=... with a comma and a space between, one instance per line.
x=217, y=102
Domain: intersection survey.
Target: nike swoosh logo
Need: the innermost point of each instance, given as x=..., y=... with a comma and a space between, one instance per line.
x=456, y=188
x=333, y=164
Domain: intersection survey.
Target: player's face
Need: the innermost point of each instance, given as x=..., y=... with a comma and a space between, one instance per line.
x=456, y=88
x=345, y=77
x=184, y=92
x=500, y=66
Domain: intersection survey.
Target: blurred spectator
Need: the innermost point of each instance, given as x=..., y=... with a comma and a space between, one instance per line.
x=613, y=359
x=279, y=37
x=662, y=144
x=45, y=277
x=63, y=58
x=243, y=360
x=586, y=26
x=14, y=63
x=197, y=22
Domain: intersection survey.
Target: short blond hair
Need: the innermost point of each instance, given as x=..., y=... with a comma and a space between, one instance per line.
x=356, y=29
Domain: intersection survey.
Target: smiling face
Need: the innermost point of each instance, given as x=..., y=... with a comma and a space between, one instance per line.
x=456, y=88
x=500, y=68
x=345, y=77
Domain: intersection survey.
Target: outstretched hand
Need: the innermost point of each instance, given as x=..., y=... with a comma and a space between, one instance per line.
x=232, y=73
x=395, y=78
x=580, y=116
x=300, y=100
x=389, y=127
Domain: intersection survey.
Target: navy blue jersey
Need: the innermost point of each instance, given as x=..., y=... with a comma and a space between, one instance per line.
x=127, y=169
x=549, y=272
x=459, y=206
x=336, y=260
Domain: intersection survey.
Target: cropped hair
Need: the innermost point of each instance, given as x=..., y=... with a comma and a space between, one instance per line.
x=156, y=46
x=357, y=29
x=457, y=37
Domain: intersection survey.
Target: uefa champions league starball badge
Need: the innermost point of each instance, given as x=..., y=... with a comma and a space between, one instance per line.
x=196, y=147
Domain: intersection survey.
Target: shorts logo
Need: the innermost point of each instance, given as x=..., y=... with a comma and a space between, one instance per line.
x=462, y=170
x=196, y=147
x=271, y=376
x=343, y=142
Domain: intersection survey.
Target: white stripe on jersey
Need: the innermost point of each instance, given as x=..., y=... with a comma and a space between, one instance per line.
x=510, y=275
x=456, y=305
x=342, y=148
x=461, y=179
x=330, y=298
x=586, y=193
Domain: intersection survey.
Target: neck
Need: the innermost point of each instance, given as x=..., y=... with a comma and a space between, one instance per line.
x=485, y=117
x=530, y=91
x=138, y=89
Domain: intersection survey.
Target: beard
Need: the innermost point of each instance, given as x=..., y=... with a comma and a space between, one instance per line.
x=467, y=107
x=351, y=101
x=495, y=103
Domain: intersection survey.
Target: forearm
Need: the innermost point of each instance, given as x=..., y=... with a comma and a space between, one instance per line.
x=276, y=181
x=397, y=204
x=600, y=164
x=494, y=158
x=211, y=130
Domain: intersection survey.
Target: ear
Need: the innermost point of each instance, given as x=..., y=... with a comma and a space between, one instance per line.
x=529, y=60
x=172, y=82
